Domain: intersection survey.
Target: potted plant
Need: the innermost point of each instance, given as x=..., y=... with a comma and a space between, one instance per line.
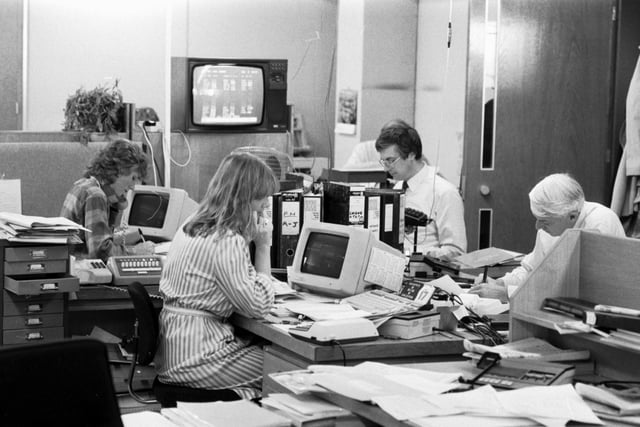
x=97, y=110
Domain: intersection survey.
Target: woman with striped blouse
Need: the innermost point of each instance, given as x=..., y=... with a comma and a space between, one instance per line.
x=208, y=275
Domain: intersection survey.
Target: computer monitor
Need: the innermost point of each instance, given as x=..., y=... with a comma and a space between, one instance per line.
x=342, y=260
x=157, y=211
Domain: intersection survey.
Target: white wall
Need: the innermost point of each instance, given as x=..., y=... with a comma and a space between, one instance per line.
x=87, y=43
x=74, y=43
x=349, y=70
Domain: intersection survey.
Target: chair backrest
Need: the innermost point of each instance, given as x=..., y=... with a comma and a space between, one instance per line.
x=65, y=383
x=147, y=323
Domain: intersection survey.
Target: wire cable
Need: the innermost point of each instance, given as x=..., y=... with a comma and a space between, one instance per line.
x=186, y=144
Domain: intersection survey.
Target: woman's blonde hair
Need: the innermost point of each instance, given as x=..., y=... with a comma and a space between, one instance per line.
x=241, y=179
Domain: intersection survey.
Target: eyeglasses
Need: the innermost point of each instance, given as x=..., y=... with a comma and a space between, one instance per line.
x=387, y=163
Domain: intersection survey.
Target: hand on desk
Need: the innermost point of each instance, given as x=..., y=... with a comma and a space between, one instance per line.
x=490, y=289
x=142, y=248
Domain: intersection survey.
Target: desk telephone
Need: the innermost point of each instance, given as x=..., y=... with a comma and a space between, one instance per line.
x=90, y=271
x=518, y=373
x=127, y=269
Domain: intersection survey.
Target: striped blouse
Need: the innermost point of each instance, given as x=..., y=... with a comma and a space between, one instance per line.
x=205, y=280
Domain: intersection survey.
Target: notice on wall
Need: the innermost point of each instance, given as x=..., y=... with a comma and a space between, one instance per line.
x=347, y=112
x=10, y=196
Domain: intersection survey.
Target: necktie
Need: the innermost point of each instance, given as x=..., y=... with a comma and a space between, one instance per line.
x=405, y=185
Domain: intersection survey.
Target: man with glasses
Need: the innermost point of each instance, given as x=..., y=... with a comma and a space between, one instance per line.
x=400, y=151
x=557, y=203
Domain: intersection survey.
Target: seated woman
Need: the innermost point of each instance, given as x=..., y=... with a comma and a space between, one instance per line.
x=97, y=200
x=208, y=275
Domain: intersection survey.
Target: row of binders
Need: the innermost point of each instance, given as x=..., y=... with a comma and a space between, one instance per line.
x=378, y=209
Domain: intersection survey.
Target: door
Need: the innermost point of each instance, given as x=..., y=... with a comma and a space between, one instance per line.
x=551, y=111
x=11, y=65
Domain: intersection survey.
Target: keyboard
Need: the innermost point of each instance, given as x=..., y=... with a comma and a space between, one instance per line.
x=379, y=302
x=414, y=217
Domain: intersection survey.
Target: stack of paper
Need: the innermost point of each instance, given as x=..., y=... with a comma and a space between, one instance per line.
x=305, y=409
x=418, y=397
x=223, y=414
x=528, y=348
x=612, y=404
x=25, y=228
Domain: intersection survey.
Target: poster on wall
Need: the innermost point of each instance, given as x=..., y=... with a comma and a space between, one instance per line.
x=347, y=112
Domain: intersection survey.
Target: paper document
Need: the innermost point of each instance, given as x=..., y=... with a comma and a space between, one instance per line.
x=486, y=257
x=10, y=196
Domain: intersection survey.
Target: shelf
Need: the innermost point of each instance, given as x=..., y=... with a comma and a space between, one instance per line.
x=586, y=265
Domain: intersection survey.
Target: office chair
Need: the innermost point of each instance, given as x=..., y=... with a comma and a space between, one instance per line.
x=65, y=383
x=145, y=343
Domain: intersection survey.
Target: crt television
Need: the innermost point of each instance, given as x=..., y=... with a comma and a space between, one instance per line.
x=341, y=260
x=229, y=95
x=157, y=211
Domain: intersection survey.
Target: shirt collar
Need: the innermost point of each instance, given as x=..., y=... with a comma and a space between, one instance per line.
x=425, y=174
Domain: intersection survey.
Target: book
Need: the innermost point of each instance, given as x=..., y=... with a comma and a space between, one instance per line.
x=575, y=307
x=611, y=320
x=586, y=311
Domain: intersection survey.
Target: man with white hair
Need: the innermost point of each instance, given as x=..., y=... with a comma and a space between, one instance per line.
x=557, y=202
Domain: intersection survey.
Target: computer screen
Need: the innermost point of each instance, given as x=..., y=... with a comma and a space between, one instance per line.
x=157, y=211
x=341, y=260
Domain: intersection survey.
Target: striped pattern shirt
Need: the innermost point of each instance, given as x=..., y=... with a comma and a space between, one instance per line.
x=96, y=208
x=211, y=277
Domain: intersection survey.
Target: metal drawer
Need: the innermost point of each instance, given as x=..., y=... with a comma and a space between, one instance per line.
x=41, y=285
x=21, y=268
x=19, y=305
x=36, y=253
x=34, y=321
x=25, y=336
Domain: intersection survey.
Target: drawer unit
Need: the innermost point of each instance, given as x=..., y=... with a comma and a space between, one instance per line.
x=14, y=305
x=36, y=260
x=34, y=321
x=26, y=336
x=35, y=253
x=36, y=280
x=27, y=285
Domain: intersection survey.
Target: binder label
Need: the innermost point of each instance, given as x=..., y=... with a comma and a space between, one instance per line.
x=290, y=218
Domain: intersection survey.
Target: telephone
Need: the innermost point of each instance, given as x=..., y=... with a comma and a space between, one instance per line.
x=90, y=271
x=127, y=269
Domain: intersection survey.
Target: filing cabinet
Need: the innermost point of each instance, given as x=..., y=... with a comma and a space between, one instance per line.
x=36, y=283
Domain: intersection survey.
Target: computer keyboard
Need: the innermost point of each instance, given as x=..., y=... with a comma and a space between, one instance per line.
x=414, y=217
x=379, y=302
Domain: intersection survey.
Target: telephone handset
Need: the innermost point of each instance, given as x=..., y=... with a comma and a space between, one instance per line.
x=90, y=271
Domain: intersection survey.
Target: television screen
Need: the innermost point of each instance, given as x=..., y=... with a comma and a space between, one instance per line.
x=149, y=210
x=324, y=254
x=227, y=94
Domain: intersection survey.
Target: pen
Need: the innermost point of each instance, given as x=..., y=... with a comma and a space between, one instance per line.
x=141, y=235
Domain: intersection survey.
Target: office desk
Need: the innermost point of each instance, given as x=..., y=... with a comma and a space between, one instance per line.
x=286, y=353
